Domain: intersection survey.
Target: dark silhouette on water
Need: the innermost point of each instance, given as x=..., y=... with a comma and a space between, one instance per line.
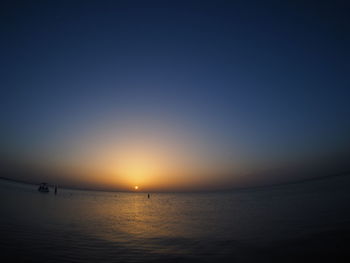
x=148, y=196
x=56, y=189
x=43, y=188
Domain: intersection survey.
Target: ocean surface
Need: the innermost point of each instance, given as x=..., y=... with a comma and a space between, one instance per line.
x=302, y=222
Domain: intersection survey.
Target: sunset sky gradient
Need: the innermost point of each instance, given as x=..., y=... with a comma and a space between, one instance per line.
x=174, y=96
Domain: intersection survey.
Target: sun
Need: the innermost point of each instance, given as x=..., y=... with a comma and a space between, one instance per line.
x=136, y=187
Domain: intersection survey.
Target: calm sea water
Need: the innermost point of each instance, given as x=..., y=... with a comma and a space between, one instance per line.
x=244, y=226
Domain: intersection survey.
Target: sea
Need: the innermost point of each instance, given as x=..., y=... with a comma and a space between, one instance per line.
x=299, y=222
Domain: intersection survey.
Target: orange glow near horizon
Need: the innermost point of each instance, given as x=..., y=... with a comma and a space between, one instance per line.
x=157, y=158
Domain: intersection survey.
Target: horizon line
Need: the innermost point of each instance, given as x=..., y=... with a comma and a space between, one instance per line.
x=184, y=191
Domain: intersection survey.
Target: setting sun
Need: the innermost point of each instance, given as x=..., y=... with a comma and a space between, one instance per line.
x=136, y=187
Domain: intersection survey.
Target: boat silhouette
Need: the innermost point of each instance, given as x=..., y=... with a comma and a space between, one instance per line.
x=43, y=188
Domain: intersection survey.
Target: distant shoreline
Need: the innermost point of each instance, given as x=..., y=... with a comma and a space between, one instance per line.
x=203, y=191
x=62, y=187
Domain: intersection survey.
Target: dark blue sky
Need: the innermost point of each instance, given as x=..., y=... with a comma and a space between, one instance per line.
x=267, y=82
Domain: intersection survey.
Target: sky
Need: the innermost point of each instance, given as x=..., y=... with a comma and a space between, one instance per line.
x=174, y=95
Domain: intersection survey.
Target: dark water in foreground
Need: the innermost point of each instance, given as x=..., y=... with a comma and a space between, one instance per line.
x=303, y=222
